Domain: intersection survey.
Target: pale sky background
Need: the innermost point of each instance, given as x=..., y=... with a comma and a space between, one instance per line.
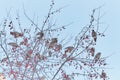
x=78, y=11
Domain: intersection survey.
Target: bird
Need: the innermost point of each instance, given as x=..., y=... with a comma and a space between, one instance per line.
x=16, y=34
x=94, y=35
x=69, y=49
x=28, y=54
x=53, y=42
x=97, y=57
x=40, y=35
x=92, y=51
x=103, y=75
x=13, y=44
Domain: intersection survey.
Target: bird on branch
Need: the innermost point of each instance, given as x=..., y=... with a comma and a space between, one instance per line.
x=97, y=57
x=94, y=35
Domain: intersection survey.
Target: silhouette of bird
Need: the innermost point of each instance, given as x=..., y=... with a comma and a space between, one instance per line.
x=103, y=75
x=40, y=35
x=53, y=42
x=97, y=57
x=16, y=34
x=13, y=44
x=69, y=49
x=94, y=35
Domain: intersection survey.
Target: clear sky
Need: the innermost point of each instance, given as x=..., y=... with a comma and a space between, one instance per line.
x=78, y=11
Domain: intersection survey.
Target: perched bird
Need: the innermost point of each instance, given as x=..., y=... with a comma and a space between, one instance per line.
x=13, y=44
x=92, y=51
x=97, y=57
x=69, y=49
x=94, y=35
x=103, y=75
x=53, y=42
x=58, y=47
x=16, y=34
x=40, y=35
x=28, y=54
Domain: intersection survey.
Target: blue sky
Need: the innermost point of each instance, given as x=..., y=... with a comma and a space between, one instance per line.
x=78, y=11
